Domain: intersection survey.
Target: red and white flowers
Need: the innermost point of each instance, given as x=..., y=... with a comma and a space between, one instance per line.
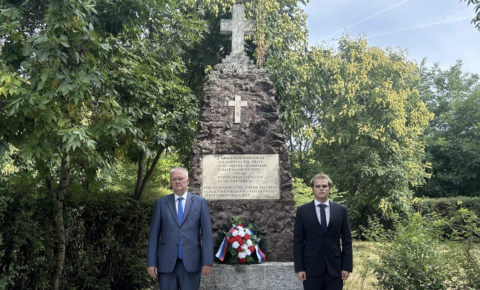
x=240, y=243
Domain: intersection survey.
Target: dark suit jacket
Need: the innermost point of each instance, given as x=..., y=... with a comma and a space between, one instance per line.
x=165, y=232
x=314, y=252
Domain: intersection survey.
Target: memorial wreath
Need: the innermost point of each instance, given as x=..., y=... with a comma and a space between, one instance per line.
x=239, y=245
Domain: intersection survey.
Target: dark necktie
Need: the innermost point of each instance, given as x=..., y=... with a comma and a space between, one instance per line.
x=323, y=218
x=180, y=217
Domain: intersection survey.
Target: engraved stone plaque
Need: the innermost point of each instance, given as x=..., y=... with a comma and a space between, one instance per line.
x=241, y=176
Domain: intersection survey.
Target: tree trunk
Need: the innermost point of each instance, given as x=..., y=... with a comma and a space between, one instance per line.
x=142, y=181
x=138, y=185
x=58, y=196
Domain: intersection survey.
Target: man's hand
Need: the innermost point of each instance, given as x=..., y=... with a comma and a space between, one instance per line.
x=345, y=275
x=206, y=269
x=152, y=271
x=302, y=275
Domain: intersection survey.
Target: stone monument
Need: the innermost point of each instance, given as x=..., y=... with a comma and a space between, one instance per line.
x=241, y=163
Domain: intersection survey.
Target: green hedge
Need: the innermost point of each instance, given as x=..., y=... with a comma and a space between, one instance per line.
x=446, y=206
x=106, y=240
x=27, y=241
x=455, y=223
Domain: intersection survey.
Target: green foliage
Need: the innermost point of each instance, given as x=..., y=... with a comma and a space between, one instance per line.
x=458, y=221
x=453, y=136
x=8, y=167
x=53, y=97
x=280, y=28
x=466, y=227
x=446, y=207
x=470, y=262
x=376, y=231
x=147, y=75
x=26, y=236
x=415, y=255
x=301, y=192
x=414, y=259
x=476, y=19
x=106, y=239
x=355, y=114
x=88, y=81
x=120, y=177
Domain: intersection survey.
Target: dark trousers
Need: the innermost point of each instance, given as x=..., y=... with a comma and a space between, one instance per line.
x=179, y=279
x=324, y=282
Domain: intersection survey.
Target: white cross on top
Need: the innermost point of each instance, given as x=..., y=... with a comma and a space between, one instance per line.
x=238, y=27
x=238, y=104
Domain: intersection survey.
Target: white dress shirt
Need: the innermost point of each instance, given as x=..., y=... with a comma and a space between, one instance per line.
x=184, y=201
x=327, y=211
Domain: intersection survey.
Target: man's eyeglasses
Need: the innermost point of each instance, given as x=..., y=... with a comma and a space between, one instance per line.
x=177, y=179
x=322, y=186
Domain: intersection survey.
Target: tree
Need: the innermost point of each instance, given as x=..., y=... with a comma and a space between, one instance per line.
x=453, y=136
x=476, y=20
x=148, y=80
x=354, y=113
x=67, y=90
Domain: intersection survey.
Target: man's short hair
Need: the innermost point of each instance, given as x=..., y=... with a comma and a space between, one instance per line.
x=181, y=169
x=321, y=176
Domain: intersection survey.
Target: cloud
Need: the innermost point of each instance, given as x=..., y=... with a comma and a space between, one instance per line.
x=419, y=26
x=365, y=19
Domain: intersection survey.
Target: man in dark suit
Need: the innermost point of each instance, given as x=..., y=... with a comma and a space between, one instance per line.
x=177, y=251
x=319, y=228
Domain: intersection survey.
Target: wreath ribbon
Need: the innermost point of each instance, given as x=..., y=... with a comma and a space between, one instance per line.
x=222, y=250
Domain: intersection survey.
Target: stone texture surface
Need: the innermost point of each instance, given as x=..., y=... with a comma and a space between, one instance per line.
x=264, y=276
x=259, y=132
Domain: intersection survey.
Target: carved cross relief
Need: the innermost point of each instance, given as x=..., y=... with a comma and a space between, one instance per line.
x=238, y=104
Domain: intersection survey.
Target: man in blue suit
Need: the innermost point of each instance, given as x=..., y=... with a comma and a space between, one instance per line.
x=320, y=227
x=180, y=246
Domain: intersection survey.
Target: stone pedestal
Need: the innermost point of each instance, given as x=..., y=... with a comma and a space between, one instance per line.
x=256, y=130
x=264, y=276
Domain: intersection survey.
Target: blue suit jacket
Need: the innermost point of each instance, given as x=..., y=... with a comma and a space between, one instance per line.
x=165, y=232
x=315, y=252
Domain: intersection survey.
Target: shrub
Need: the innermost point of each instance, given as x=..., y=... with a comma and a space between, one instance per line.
x=414, y=259
x=106, y=242
x=106, y=239
x=26, y=237
x=448, y=210
x=466, y=229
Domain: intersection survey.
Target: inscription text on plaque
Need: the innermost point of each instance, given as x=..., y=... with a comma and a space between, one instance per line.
x=240, y=176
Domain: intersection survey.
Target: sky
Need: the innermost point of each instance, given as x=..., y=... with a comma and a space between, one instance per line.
x=438, y=30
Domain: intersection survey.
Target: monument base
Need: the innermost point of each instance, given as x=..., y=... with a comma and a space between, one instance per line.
x=264, y=276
